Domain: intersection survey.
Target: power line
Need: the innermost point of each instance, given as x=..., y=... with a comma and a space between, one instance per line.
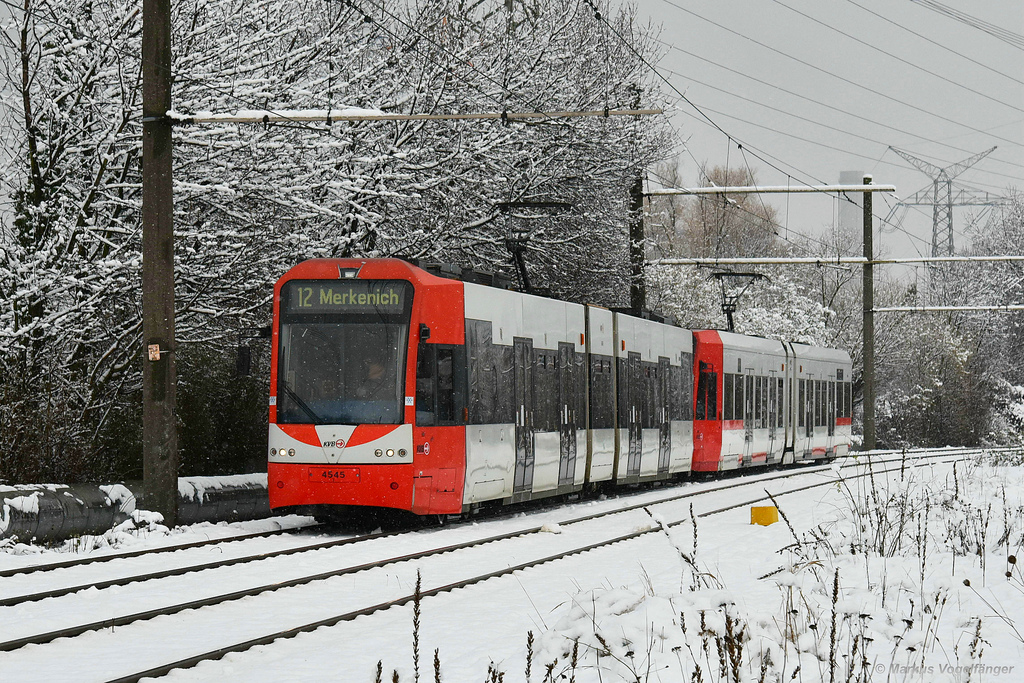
x=505, y=89
x=838, y=77
x=711, y=122
x=819, y=144
x=834, y=108
x=823, y=125
x=807, y=140
x=698, y=109
x=935, y=43
x=1010, y=38
x=896, y=57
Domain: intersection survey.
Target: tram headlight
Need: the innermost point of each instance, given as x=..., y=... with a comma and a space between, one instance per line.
x=273, y=452
x=378, y=452
x=291, y=452
x=391, y=452
x=402, y=452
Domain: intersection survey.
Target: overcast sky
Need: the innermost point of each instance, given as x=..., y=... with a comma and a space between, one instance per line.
x=807, y=85
x=817, y=87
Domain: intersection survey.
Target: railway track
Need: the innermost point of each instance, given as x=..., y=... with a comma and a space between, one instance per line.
x=881, y=458
x=126, y=578
x=345, y=558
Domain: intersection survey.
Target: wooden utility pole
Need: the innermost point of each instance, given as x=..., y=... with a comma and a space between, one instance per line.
x=869, y=324
x=159, y=431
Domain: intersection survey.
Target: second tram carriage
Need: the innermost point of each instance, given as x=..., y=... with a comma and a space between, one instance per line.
x=393, y=387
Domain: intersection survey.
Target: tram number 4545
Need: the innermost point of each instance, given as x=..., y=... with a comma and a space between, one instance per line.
x=334, y=475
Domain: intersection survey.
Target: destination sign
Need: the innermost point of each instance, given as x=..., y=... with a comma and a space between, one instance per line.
x=387, y=297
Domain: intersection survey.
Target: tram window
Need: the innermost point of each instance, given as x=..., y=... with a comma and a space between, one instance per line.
x=781, y=404
x=622, y=393
x=707, y=395
x=765, y=416
x=490, y=374
x=832, y=402
x=758, y=409
x=837, y=398
x=440, y=385
x=700, y=411
x=801, y=403
x=657, y=401
x=758, y=404
x=728, y=393
x=849, y=399
x=815, y=403
x=580, y=390
x=648, y=397
x=484, y=392
x=445, y=386
x=483, y=372
x=342, y=365
x=674, y=391
x=713, y=397
x=679, y=390
x=426, y=413
x=812, y=402
x=602, y=400
x=686, y=386
x=822, y=402
x=545, y=395
x=748, y=400
x=738, y=398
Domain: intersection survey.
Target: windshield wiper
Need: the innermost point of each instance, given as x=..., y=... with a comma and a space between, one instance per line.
x=302, y=404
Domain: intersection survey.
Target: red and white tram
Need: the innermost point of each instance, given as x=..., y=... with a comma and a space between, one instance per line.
x=780, y=402
x=393, y=387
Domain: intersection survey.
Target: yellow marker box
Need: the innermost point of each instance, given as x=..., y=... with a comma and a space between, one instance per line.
x=764, y=515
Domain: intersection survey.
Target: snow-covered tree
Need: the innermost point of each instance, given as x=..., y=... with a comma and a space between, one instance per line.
x=251, y=200
x=790, y=303
x=955, y=377
x=69, y=249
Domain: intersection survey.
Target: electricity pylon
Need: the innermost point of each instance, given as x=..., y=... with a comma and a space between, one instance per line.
x=943, y=198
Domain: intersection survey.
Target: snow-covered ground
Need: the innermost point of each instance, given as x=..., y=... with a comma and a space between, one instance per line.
x=893, y=577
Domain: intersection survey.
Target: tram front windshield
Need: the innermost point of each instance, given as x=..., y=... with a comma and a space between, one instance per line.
x=342, y=351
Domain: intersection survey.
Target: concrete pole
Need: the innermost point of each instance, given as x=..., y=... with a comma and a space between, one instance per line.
x=637, y=257
x=869, y=325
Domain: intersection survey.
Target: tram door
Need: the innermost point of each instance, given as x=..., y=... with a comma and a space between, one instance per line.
x=523, y=359
x=634, y=393
x=664, y=415
x=567, y=413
